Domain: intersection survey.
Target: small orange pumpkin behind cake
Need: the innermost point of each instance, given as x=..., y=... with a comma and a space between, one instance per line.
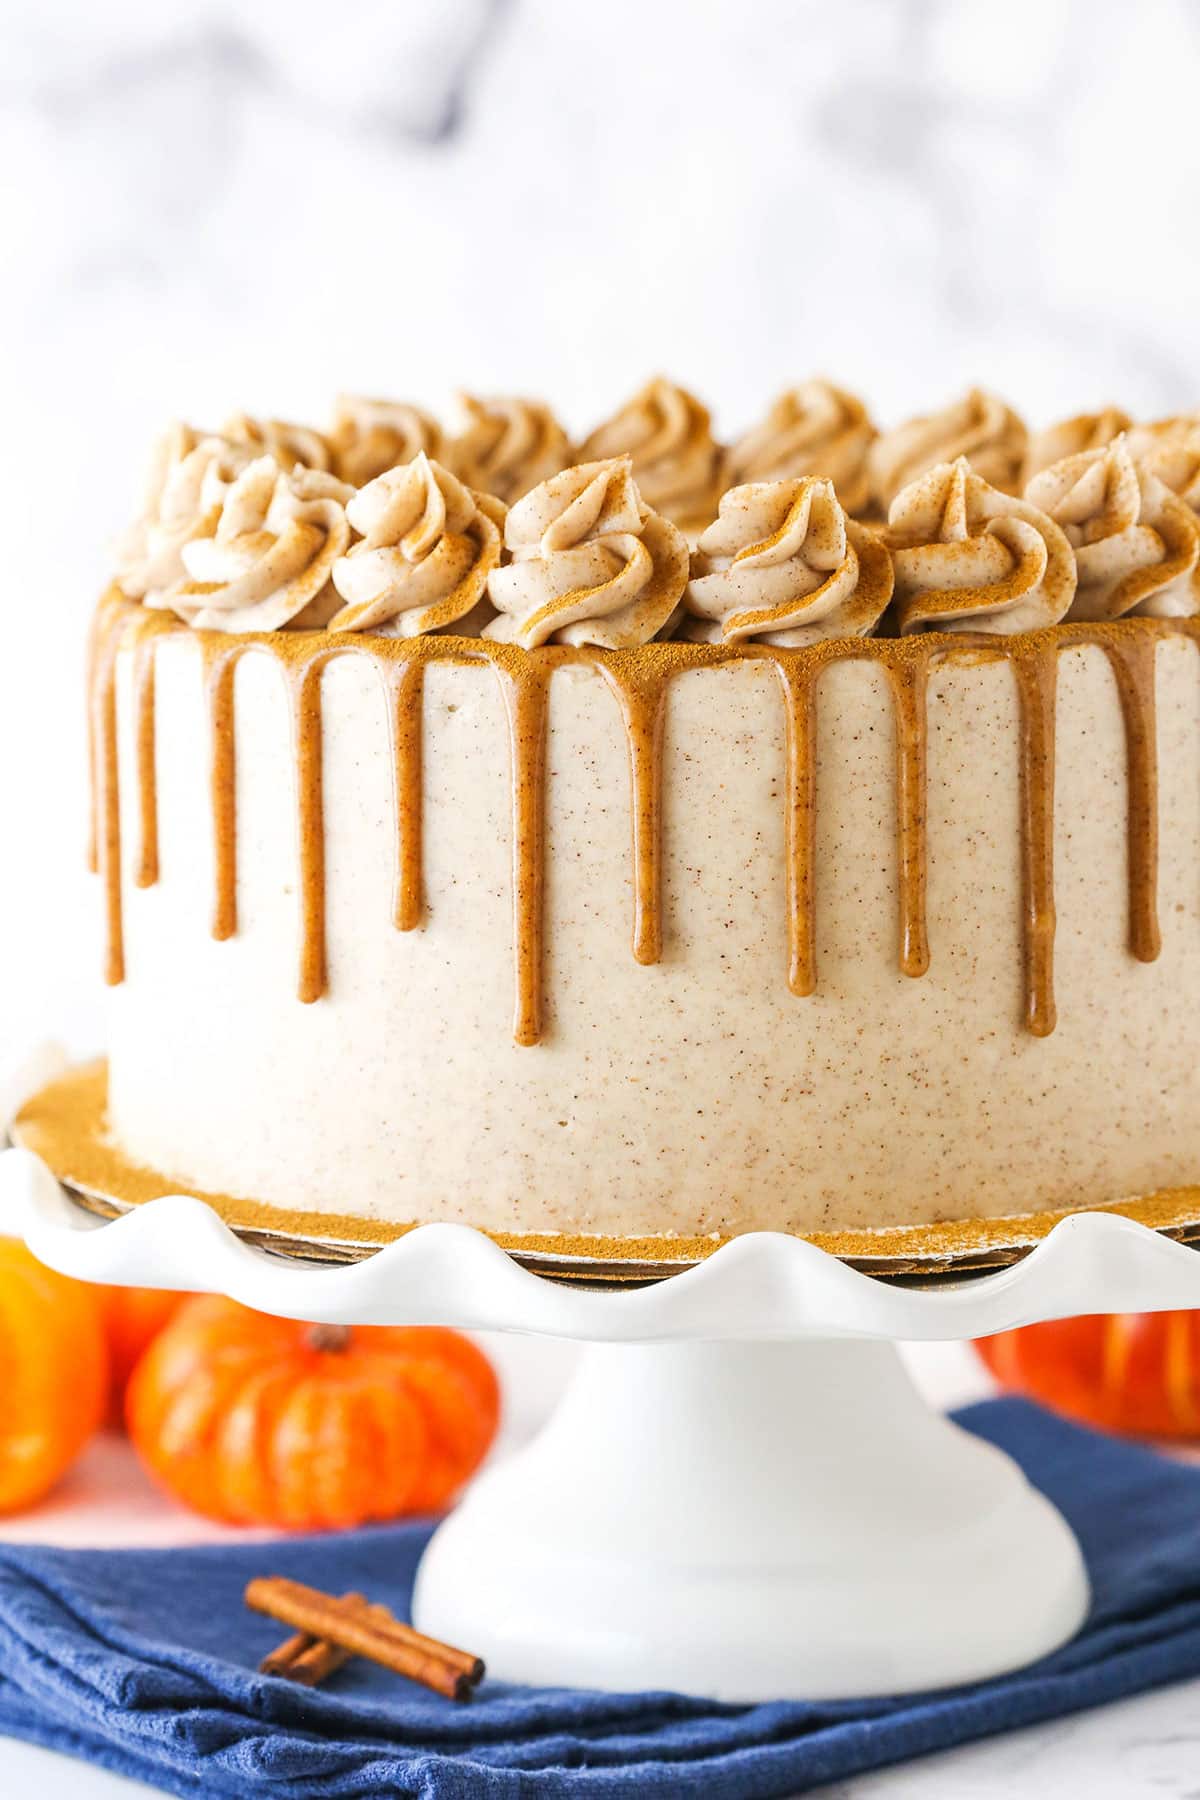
x=1128, y=1372
x=53, y=1374
x=258, y=1420
x=134, y=1317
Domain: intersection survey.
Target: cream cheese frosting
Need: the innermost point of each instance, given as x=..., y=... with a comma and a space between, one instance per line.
x=1136, y=544
x=1148, y=435
x=970, y=558
x=813, y=429
x=508, y=445
x=1176, y=463
x=369, y=436
x=1069, y=437
x=591, y=563
x=782, y=563
x=263, y=562
x=676, y=461
x=288, y=443
x=979, y=426
x=427, y=548
x=190, y=474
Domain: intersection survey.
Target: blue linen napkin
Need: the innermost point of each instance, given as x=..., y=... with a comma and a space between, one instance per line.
x=144, y=1661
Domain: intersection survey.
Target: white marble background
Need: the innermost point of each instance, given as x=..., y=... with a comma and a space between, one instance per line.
x=212, y=205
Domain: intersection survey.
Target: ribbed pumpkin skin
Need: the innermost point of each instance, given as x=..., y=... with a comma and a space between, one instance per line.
x=133, y=1318
x=257, y=1420
x=53, y=1374
x=1137, y=1373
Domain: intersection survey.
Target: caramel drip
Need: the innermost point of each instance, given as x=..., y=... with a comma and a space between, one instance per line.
x=1132, y=662
x=640, y=680
x=107, y=803
x=305, y=687
x=801, y=723
x=1036, y=671
x=909, y=681
x=643, y=708
x=525, y=693
x=222, y=765
x=146, y=871
x=407, y=682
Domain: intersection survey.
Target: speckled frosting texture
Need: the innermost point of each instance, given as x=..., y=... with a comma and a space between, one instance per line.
x=980, y=427
x=190, y=475
x=427, y=547
x=508, y=445
x=969, y=558
x=697, y=1093
x=268, y=559
x=591, y=563
x=668, y=435
x=1136, y=545
x=371, y=436
x=1068, y=437
x=782, y=564
x=813, y=429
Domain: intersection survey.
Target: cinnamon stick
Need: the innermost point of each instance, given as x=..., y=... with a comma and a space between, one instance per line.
x=367, y=1630
x=305, y=1659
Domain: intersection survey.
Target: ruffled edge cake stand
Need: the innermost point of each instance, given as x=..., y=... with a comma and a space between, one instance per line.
x=741, y=1494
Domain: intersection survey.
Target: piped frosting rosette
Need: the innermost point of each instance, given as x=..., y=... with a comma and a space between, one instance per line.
x=1136, y=543
x=288, y=443
x=970, y=558
x=190, y=475
x=812, y=429
x=590, y=563
x=427, y=548
x=369, y=436
x=979, y=426
x=782, y=563
x=1070, y=437
x=1176, y=463
x=676, y=461
x=1174, y=429
x=508, y=445
x=264, y=562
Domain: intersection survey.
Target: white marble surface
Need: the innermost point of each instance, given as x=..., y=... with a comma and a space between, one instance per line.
x=210, y=206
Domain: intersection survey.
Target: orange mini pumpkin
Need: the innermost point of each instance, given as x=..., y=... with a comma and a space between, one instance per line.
x=258, y=1420
x=133, y=1317
x=53, y=1373
x=1128, y=1372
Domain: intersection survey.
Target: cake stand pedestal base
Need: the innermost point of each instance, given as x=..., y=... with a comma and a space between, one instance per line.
x=744, y=1520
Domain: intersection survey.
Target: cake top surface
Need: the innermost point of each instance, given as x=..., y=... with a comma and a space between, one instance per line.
x=812, y=524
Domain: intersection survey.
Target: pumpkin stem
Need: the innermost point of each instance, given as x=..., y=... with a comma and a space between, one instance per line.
x=330, y=1338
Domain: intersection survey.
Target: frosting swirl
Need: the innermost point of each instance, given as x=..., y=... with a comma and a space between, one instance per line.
x=1136, y=544
x=782, y=563
x=813, y=429
x=428, y=546
x=369, y=436
x=1176, y=463
x=979, y=427
x=1174, y=429
x=508, y=445
x=289, y=444
x=264, y=561
x=676, y=461
x=189, y=476
x=969, y=558
x=591, y=563
x=1069, y=437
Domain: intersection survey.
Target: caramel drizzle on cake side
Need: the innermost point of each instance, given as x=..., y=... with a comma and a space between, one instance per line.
x=640, y=680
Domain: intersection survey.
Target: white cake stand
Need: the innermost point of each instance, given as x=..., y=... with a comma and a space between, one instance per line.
x=741, y=1494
